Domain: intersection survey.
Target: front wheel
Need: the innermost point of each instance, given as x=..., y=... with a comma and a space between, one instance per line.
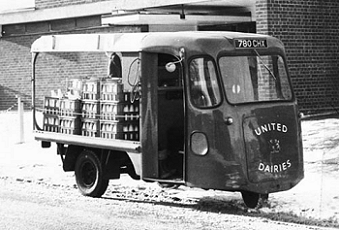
x=252, y=199
x=89, y=175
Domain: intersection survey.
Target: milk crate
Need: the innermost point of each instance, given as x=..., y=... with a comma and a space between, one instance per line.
x=51, y=105
x=75, y=83
x=111, y=89
x=90, y=109
x=110, y=110
x=51, y=123
x=69, y=125
x=130, y=111
x=90, y=127
x=130, y=131
x=69, y=107
x=75, y=86
x=110, y=129
x=91, y=90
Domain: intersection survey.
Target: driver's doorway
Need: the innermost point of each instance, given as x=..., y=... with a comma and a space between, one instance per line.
x=170, y=118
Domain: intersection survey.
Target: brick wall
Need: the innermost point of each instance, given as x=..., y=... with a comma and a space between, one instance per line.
x=16, y=69
x=309, y=30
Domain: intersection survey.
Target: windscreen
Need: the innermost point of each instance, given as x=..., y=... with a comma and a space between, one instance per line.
x=255, y=78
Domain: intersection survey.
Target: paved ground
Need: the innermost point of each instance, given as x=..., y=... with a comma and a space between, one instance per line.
x=317, y=196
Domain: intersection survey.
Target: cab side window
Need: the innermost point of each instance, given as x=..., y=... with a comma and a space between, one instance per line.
x=204, y=87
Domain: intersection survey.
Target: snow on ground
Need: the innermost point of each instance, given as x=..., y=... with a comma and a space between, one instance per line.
x=316, y=196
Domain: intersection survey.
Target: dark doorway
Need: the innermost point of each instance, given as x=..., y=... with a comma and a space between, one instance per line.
x=246, y=27
x=170, y=117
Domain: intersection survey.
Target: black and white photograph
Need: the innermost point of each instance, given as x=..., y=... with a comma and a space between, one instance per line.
x=177, y=114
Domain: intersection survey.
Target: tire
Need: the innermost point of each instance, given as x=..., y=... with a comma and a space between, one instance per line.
x=264, y=197
x=168, y=185
x=251, y=199
x=89, y=175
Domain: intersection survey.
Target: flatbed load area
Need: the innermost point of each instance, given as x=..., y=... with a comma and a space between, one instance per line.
x=82, y=94
x=120, y=145
x=90, y=108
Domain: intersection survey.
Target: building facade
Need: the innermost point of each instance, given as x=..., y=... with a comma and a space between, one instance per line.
x=308, y=28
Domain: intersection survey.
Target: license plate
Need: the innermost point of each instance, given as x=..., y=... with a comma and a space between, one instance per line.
x=250, y=43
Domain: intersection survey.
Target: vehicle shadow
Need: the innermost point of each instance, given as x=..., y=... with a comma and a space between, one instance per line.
x=216, y=204
x=172, y=197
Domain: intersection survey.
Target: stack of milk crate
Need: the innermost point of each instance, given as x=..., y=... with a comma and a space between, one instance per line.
x=130, y=119
x=51, y=114
x=110, y=109
x=104, y=110
x=90, y=111
x=62, y=115
x=116, y=113
x=69, y=118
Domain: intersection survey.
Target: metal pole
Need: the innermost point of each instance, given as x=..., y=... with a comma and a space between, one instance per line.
x=21, y=120
x=34, y=58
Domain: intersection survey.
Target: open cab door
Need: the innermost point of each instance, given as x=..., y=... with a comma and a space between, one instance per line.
x=163, y=123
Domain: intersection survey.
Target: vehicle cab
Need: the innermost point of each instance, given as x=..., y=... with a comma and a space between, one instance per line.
x=237, y=111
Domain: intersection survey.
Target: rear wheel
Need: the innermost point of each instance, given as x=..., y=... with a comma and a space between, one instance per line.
x=89, y=175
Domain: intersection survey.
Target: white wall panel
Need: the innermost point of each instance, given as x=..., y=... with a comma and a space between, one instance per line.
x=16, y=5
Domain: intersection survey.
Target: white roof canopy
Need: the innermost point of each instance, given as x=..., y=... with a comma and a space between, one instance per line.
x=89, y=43
x=135, y=42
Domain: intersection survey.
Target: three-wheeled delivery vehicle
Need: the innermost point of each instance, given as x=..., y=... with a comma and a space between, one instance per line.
x=214, y=110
